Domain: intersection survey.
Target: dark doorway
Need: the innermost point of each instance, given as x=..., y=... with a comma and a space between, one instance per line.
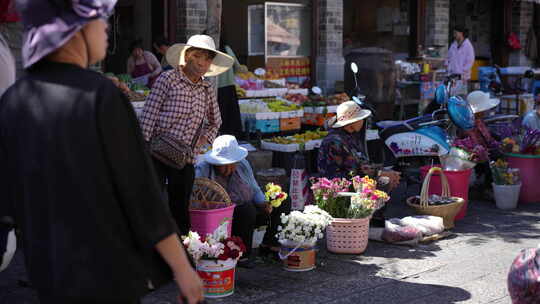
x=501, y=25
x=121, y=34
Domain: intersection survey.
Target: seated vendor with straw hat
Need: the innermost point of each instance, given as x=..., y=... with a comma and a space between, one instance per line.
x=226, y=165
x=344, y=151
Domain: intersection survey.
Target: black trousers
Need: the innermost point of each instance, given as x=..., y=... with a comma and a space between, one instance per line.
x=231, y=124
x=247, y=217
x=177, y=187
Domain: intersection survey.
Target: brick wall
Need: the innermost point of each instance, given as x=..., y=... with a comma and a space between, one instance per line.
x=330, y=62
x=437, y=23
x=522, y=19
x=191, y=18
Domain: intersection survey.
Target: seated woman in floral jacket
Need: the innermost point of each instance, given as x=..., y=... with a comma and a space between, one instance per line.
x=344, y=151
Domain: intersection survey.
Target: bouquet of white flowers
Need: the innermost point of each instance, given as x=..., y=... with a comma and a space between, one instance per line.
x=215, y=246
x=303, y=227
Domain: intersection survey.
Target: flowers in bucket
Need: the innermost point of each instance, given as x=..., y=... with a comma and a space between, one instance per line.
x=304, y=227
x=502, y=174
x=470, y=150
x=367, y=198
x=274, y=195
x=215, y=246
x=519, y=139
x=325, y=192
x=360, y=204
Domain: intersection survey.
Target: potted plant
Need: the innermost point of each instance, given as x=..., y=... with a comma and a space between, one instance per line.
x=298, y=234
x=351, y=211
x=521, y=146
x=506, y=184
x=215, y=257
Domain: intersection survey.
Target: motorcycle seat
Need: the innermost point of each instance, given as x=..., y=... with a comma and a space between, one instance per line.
x=391, y=127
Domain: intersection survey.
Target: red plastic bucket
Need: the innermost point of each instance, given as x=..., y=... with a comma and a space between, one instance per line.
x=459, y=186
x=206, y=221
x=529, y=169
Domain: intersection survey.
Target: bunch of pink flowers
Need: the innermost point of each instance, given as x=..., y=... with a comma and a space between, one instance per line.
x=328, y=188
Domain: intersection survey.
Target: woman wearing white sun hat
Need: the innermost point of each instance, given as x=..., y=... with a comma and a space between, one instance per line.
x=226, y=165
x=481, y=103
x=343, y=152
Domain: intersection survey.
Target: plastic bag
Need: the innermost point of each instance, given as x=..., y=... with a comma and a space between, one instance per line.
x=427, y=224
x=395, y=231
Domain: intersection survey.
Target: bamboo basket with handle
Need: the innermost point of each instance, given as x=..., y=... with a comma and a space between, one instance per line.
x=447, y=211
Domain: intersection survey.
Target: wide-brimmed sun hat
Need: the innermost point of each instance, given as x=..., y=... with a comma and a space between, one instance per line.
x=349, y=112
x=49, y=24
x=225, y=151
x=481, y=101
x=221, y=63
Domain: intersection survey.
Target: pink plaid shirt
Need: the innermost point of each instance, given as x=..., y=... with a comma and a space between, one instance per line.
x=178, y=106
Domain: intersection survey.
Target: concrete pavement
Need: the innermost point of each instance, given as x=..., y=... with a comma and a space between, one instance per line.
x=469, y=267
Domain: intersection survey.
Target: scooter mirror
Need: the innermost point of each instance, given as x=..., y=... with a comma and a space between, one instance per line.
x=316, y=90
x=354, y=67
x=440, y=95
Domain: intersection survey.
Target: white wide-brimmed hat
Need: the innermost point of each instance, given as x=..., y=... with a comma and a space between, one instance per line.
x=221, y=63
x=349, y=112
x=480, y=101
x=225, y=150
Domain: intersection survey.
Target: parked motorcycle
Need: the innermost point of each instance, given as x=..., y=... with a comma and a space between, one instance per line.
x=422, y=140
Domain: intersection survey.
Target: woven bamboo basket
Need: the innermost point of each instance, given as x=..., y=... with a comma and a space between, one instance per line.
x=207, y=195
x=448, y=211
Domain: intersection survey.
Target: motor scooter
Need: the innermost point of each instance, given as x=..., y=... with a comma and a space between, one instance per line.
x=422, y=140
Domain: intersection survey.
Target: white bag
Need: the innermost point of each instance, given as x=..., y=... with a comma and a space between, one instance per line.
x=397, y=232
x=428, y=224
x=299, y=189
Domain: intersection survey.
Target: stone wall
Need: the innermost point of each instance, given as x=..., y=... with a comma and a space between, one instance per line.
x=330, y=62
x=522, y=19
x=191, y=19
x=437, y=24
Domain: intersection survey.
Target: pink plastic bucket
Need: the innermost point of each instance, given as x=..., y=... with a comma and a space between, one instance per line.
x=459, y=186
x=529, y=169
x=206, y=221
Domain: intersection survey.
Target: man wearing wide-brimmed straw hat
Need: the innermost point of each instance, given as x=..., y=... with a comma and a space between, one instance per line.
x=183, y=104
x=344, y=152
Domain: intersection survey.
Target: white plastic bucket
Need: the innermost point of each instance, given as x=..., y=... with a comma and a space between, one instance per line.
x=506, y=196
x=217, y=277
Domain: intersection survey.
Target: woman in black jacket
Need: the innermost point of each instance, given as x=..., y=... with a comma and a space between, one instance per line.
x=95, y=228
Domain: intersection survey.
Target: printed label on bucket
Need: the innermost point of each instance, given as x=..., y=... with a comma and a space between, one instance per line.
x=302, y=259
x=217, y=283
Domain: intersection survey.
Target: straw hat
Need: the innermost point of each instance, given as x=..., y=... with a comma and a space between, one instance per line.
x=225, y=151
x=480, y=101
x=221, y=63
x=349, y=112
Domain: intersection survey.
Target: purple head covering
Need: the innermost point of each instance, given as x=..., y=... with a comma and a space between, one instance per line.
x=49, y=24
x=524, y=277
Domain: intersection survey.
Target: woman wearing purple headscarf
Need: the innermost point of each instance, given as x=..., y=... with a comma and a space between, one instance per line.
x=95, y=228
x=524, y=277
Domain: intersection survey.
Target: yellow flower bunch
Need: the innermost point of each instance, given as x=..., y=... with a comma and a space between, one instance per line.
x=275, y=195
